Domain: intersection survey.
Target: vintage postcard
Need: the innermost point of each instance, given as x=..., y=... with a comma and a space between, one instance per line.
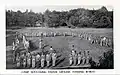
x=59, y=39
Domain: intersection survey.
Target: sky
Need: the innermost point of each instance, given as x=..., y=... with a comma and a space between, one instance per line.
x=42, y=9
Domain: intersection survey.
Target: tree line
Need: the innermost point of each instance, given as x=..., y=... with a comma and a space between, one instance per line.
x=101, y=18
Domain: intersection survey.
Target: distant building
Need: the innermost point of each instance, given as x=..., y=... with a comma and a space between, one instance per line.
x=39, y=23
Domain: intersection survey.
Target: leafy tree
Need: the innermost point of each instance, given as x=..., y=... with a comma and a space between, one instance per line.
x=101, y=18
x=106, y=61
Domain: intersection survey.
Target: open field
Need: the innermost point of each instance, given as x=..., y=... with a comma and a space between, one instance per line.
x=60, y=43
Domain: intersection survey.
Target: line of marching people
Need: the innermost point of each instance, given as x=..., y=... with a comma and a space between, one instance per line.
x=101, y=40
x=94, y=39
x=39, y=60
x=81, y=58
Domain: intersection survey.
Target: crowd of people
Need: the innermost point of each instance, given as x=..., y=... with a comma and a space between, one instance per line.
x=80, y=58
x=44, y=59
x=92, y=38
x=36, y=60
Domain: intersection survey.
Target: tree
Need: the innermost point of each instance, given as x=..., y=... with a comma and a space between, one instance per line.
x=106, y=61
x=101, y=18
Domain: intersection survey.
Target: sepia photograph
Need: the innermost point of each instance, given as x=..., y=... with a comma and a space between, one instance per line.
x=59, y=37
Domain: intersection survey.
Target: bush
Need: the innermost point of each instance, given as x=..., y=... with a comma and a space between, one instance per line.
x=106, y=61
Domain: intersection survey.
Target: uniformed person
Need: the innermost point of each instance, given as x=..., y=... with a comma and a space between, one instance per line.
x=41, y=34
x=103, y=41
x=65, y=34
x=88, y=57
x=14, y=52
x=40, y=44
x=29, y=59
x=73, y=52
x=13, y=46
x=70, y=59
x=23, y=38
x=42, y=60
x=38, y=57
x=74, y=58
x=24, y=61
x=51, y=50
x=33, y=61
x=79, y=58
x=18, y=60
x=22, y=58
x=17, y=41
x=54, y=56
x=48, y=58
x=83, y=58
x=54, y=34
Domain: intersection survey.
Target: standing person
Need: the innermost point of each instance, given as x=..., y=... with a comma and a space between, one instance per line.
x=54, y=58
x=24, y=61
x=79, y=58
x=40, y=44
x=41, y=34
x=42, y=60
x=75, y=58
x=33, y=61
x=13, y=46
x=22, y=58
x=83, y=58
x=18, y=60
x=14, y=52
x=48, y=59
x=103, y=41
x=29, y=59
x=51, y=50
x=88, y=57
x=73, y=52
x=38, y=57
x=70, y=59
x=25, y=42
x=16, y=42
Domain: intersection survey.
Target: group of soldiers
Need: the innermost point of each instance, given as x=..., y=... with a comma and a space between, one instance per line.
x=17, y=43
x=50, y=34
x=80, y=58
x=94, y=39
x=102, y=41
x=45, y=59
x=28, y=59
x=36, y=60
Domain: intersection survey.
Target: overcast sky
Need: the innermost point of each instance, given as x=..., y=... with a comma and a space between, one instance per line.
x=57, y=8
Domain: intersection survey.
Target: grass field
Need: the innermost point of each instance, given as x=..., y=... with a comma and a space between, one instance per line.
x=60, y=43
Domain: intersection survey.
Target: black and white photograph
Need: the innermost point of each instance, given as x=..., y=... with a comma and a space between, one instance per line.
x=59, y=37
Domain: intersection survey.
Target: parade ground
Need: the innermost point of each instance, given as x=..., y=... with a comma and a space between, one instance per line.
x=62, y=44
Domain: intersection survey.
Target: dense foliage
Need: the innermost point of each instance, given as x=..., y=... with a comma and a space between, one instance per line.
x=101, y=18
x=107, y=61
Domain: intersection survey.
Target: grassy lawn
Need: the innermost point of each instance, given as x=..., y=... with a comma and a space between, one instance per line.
x=60, y=43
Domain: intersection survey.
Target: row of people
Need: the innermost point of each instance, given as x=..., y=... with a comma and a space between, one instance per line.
x=39, y=60
x=17, y=42
x=79, y=58
x=103, y=41
x=53, y=34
